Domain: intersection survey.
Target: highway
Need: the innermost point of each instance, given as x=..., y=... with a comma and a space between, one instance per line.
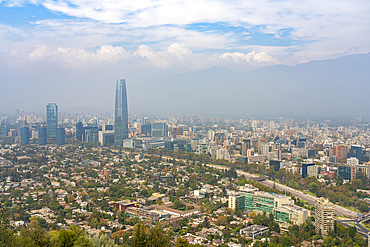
x=338, y=210
x=360, y=229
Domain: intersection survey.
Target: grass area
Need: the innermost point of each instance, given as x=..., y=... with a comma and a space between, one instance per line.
x=309, y=193
x=343, y=217
x=350, y=208
x=366, y=226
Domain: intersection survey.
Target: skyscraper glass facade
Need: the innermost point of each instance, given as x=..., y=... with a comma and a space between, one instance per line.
x=25, y=135
x=159, y=129
x=121, y=113
x=61, y=136
x=304, y=168
x=356, y=151
x=42, y=136
x=52, y=120
x=79, y=131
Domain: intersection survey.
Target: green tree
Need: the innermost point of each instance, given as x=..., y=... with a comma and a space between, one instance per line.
x=34, y=236
x=82, y=241
x=29, y=200
x=101, y=240
x=352, y=231
x=158, y=237
x=7, y=237
x=181, y=242
x=313, y=187
x=357, y=183
x=65, y=238
x=139, y=238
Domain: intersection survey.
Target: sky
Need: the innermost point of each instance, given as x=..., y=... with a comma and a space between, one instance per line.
x=71, y=52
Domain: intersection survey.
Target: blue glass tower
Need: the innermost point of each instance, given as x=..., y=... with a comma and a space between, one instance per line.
x=43, y=136
x=121, y=113
x=52, y=120
x=61, y=136
x=304, y=169
x=25, y=135
x=356, y=151
x=79, y=131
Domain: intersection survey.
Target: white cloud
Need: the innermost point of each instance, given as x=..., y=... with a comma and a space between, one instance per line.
x=175, y=56
x=179, y=51
x=312, y=29
x=41, y=52
x=109, y=52
x=251, y=56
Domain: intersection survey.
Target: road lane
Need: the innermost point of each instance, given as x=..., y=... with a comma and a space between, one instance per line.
x=299, y=194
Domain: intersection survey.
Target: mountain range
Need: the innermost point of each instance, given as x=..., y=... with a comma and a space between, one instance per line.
x=335, y=87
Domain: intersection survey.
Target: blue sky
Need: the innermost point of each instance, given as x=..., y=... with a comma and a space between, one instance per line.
x=287, y=32
x=165, y=37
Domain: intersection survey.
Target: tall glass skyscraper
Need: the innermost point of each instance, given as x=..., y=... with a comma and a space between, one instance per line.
x=61, y=136
x=25, y=135
x=121, y=113
x=42, y=136
x=79, y=131
x=52, y=120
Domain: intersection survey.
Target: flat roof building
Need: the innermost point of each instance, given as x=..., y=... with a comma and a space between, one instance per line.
x=324, y=216
x=253, y=231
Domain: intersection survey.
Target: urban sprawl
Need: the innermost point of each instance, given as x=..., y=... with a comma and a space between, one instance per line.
x=69, y=179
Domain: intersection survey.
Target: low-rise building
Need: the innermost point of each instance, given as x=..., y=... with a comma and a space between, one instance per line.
x=293, y=213
x=253, y=231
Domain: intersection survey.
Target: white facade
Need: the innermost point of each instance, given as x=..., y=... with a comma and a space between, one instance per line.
x=352, y=161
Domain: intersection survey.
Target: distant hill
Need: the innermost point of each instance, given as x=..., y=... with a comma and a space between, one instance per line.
x=318, y=88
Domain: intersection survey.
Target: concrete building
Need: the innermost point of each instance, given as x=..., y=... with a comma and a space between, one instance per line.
x=253, y=231
x=352, y=161
x=159, y=130
x=347, y=172
x=235, y=201
x=266, y=202
x=338, y=153
x=106, y=137
x=305, y=170
x=324, y=216
x=277, y=164
x=106, y=172
x=297, y=215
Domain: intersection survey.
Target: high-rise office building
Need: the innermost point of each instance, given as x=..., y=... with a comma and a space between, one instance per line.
x=159, y=129
x=338, y=153
x=25, y=135
x=347, y=172
x=94, y=135
x=20, y=124
x=79, y=131
x=61, y=136
x=324, y=216
x=305, y=167
x=146, y=129
x=52, y=120
x=277, y=164
x=42, y=136
x=4, y=131
x=355, y=151
x=121, y=113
